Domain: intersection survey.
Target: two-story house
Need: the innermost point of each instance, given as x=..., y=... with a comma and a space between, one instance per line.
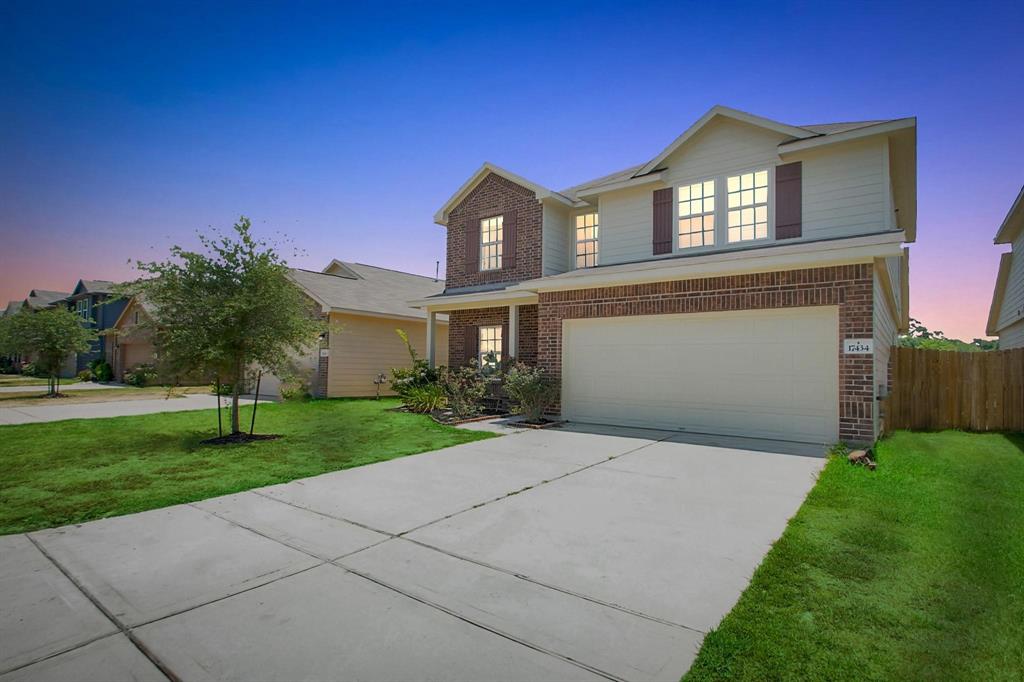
x=99, y=307
x=1006, y=316
x=749, y=279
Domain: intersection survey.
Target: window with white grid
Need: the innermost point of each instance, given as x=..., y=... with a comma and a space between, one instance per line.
x=490, y=342
x=748, y=206
x=490, y=243
x=697, y=214
x=586, y=240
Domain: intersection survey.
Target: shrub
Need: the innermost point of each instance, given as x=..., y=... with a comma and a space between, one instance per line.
x=85, y=375
x=464, y=387
x=426, y=398
x=533, y=392
x=405, y=380
x=141, y=375
x=29, y=369
x=101, y=371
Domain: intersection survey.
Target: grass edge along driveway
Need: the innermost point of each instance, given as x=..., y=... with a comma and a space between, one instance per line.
x=59, y=473
x=914, y=571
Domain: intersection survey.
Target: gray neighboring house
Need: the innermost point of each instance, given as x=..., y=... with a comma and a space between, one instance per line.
x=95, y=302
x=40, y=299
x=1006, y=316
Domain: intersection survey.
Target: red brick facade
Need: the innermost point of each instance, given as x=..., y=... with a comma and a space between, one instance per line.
x=459, y=320
x=493, y=196
x=848, y=287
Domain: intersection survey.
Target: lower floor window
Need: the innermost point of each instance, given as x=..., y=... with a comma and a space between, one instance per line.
x=489, y=347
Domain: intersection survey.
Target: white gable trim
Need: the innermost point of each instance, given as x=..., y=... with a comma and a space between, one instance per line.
x=995, y=311
x=1014, y=222
x=726, y=112
x=441, y=217
x=859, y=133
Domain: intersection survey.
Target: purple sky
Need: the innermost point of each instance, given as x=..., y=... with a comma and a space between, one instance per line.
x=125, y=129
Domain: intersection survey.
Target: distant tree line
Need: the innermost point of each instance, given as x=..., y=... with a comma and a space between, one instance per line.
x=920, y=336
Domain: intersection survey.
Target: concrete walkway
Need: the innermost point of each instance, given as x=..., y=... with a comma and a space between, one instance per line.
x=544, y=555
x=113, y=408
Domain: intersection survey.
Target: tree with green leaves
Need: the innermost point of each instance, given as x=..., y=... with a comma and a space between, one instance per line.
x=49, y=336
x=919, y=336
x=225, y=309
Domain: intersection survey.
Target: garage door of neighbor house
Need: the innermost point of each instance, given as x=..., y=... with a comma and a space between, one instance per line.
x=763, y=373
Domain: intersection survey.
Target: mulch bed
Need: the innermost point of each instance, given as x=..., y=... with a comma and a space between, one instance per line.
x=235, y=438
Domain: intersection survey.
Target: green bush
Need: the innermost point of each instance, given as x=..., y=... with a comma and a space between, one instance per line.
x=85, y=375
x=294, y=388
x=141, y=375
x=532, y=391
x=426, y=398
x=101, y=370
x=29, y=369
x=464, y=388
x=405, y=381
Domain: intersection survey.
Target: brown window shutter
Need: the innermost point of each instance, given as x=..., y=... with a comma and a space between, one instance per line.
x=788, y=200
x=508, y=240
x=472, y=343
x=662, y=221
x=472, y=245
x=504, y=343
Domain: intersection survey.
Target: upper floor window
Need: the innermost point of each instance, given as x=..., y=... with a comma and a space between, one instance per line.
x=697, y=214
x=748, y=206
x=82, y=308
x=490, y=243
x=489, y=347
x=586, y=240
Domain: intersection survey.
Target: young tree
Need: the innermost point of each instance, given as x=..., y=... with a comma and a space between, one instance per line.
x=50, y=336
x=226, y=309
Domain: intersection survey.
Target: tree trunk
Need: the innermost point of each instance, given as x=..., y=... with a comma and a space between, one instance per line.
x=236, y=390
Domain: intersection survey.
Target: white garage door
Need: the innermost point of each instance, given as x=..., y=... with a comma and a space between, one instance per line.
x=769, y=374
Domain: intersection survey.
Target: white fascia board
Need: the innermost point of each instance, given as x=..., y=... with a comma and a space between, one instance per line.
x=789, y=257
x=542, y=193
x=727, y=112
x=1014, y=221
x=483, y=299
x=622, y=184
x=823, y=140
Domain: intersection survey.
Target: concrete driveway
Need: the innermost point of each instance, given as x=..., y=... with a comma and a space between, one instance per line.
x=544, y=555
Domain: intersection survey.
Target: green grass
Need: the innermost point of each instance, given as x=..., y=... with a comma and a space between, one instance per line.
x=72, y=471
x=22, y=380
x=912, y=572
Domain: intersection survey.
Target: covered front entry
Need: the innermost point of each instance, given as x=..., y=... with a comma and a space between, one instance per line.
x=758, y=373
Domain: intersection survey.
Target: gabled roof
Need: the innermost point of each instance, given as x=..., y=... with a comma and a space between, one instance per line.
x=441, y=217
x=93, y=286
x=40, y=298
x=1014, y=221
x=998, y=294
x=373, y=290
x=720, y=111
x=13, y=307
x=137, y=301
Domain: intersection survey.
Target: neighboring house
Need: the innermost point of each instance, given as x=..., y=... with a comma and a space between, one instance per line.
x=750, y=279
x=1006, y=316
x=40, y=299
x=128, y=343
x=364, y=305
x=99, y=307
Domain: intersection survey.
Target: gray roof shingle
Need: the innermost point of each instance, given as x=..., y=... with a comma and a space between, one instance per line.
x=374, y=290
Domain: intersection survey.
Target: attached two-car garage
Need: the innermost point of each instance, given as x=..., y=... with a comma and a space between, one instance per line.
x=760, y=373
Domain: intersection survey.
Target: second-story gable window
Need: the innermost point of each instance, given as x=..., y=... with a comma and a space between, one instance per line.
x=748, y=206
x=586, y=240
x=82, y=308
x=490, y=243
x=697, y=214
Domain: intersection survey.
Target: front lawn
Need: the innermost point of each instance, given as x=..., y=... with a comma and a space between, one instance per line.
x=72, y=471
x=25, y=380
x=35, y=398
x=914, y=571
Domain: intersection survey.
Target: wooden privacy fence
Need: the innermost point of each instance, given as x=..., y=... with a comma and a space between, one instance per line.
x=935, y=389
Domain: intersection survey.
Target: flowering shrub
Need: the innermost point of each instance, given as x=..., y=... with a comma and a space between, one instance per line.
x=140, y=375
x=464, y=387
x=407, y=380
x=533, y=392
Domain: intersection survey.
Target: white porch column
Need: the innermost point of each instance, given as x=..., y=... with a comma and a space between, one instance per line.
x=431, y=338
x=513, y=331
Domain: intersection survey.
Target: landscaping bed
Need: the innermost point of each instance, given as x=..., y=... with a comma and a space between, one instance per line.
x=72, y=471
x=912, y=571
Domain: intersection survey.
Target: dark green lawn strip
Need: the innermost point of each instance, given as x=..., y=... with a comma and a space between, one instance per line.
x=67, y=472
x=913, y=572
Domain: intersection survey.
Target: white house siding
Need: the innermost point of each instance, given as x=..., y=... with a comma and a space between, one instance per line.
x=846, y=189
x=1012, y=336
x=556, y=250
x=1012, y=311
x=885, y=337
